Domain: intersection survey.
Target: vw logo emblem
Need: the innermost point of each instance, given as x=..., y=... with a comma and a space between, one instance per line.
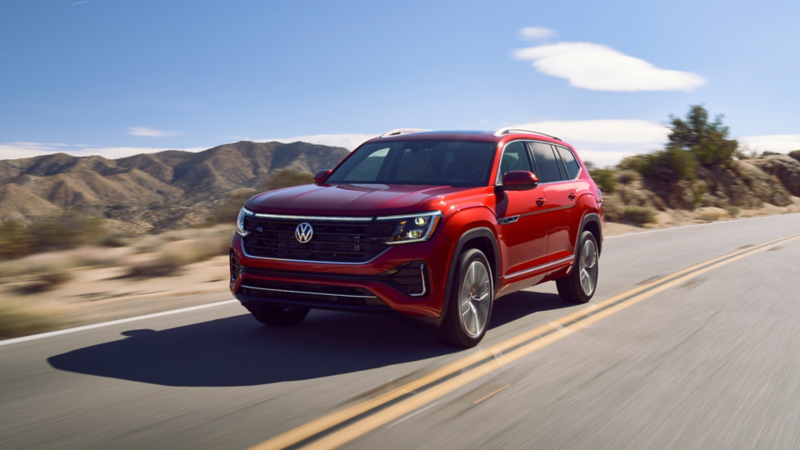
x=303, y=233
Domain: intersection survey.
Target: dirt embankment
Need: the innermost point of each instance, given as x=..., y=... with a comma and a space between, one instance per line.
x=767, y=185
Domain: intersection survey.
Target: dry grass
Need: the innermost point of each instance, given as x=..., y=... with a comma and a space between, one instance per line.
x=181, y=249
x=713, y=214
x=17, y=320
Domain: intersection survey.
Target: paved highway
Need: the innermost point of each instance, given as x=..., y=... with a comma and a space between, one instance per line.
x=691, y=342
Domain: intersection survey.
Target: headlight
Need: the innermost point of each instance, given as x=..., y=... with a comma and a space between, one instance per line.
x=413, y=227
x=240, y=222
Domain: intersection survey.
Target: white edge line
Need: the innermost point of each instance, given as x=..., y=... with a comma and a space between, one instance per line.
x=772, y=216
x=113, y=322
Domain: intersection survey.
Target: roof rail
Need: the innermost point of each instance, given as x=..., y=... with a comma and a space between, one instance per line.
x=399, y=131
x=509, y=130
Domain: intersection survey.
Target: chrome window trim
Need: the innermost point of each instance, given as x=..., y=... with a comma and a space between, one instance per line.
x=500, y=161
x=326, y=294
x=422, y=276
x=541, y=267
x=580, y=167
x=314, y=262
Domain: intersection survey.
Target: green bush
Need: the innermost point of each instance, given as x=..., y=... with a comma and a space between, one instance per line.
x=228, y=210
x=671, y=164
x=628, y=176
x=635, y=163
x=769, y=153
x=605, y=179
x=53, y=233
x=733, y=211
x=284, y=178
x=707, y=141
x=639, y=215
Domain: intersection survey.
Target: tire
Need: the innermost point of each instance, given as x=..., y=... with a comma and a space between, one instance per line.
x=470, y=304
x=581, y=283
x=280, y=316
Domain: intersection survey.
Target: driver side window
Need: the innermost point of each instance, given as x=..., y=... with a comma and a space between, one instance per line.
x=515, y=157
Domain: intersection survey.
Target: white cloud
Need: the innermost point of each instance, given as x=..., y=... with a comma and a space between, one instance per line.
x=601, y=68
x=348, y=141
x=535, y=33
x=16, y=150
x=606, y=142
x=782, y=143
x=150, y=132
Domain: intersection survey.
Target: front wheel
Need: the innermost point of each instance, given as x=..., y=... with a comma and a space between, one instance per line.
x=470, y=305
x=280, y=316
x=580, y=284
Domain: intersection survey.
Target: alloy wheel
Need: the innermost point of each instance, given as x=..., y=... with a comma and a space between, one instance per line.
x=476, y=297
x=587, y=267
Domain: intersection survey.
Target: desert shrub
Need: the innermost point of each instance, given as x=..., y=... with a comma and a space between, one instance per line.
x=161, y=266
x=628, y=176
x=769, y=153
x=639, y=215
x=170, y=257
x=44, y=282
x=589, y=165
x=68, y=230
x=697, y=192
x=634, y=163
x=733, y=211
x=795, y=154
x=16, y=321
x=707, y=141
x=284, y=178
x=16, y=240
x=227, y=210
x=711, y=216
x=671, y=164
x=605, y=179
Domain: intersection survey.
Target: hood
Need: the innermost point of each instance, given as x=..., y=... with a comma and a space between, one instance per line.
x=349, y=199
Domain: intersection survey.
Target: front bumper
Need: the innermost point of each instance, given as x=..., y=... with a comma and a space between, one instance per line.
x=368, y=287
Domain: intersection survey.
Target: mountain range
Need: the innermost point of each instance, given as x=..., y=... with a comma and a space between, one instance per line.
x=149, y=192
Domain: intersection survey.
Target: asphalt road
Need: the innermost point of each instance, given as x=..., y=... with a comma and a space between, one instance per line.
x=710, y=362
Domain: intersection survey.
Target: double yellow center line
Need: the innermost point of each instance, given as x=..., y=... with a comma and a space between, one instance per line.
x=344, y=425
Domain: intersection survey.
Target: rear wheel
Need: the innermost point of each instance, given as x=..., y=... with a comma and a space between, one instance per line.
x=580, y=284
x=470, y=304
x=280, y=316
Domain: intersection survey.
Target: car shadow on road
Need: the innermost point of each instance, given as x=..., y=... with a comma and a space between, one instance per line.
x=238, y=351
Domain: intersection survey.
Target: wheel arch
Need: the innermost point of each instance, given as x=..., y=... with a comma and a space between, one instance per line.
x=591, y=222
x=483, y=239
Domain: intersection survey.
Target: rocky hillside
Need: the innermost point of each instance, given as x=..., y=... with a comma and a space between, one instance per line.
x=747, y=184
x=147, y=192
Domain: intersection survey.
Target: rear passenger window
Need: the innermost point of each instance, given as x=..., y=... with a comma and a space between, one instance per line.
x=546, y=162
x=569, y=160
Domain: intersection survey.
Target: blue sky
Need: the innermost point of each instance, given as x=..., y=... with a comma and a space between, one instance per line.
x=115, y=77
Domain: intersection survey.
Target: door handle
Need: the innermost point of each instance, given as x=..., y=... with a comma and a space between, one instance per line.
x=572, y=196
x=540, y=201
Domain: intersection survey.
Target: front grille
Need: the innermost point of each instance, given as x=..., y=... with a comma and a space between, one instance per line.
x=345, y=242
x=310, y=293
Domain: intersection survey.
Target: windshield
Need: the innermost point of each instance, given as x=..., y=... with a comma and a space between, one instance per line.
x=428, y=162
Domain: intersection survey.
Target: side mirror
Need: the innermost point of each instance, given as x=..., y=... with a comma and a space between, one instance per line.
x=321, y=175
x=519, y=180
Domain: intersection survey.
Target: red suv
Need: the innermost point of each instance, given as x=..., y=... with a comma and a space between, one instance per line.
x=428, y=226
